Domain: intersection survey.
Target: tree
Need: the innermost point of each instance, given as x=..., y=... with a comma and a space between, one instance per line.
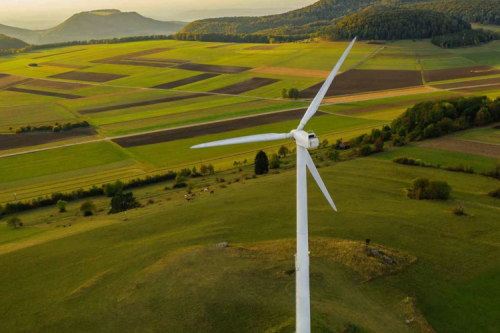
x=261, y=163
x=379, y=144
x=61, y=205
x=283, y=151
x=275, y=162
x=211, y=169
x=333, y=155
x=293, y=93
x=325, y=143
x=87, y=208
x=113, y=189
x=203, y=169
x=123, y=202
x=284, y=93
x=14, y=222
x=367, y=242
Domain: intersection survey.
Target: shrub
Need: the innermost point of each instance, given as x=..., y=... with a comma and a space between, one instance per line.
x=261, y=163
x=275, y=162
x=88, y=208
x=283, y=151
x=495, y=193
x=113, y=189
x=365, y=150
x=379, y=144
x=459, y=211
x=123, y=202
x=284, y=93
x=14, y=222
x=180, y=185
x=333, y=155
x=422, y=189
x=61, y=205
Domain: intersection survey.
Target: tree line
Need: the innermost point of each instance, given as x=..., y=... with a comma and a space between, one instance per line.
x=465, y=38
x=54, y=128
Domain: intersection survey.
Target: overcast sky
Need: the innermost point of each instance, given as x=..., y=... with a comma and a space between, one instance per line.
x=58, y=10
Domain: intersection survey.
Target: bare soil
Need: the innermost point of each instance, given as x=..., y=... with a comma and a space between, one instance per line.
x=292, y=72
x=56, y=85
x=466, y=147
x=469, y=84
x=142, y=63
x=356, y=81
x=22, y=140
x=143, y=103
x=171, y=61
x=459, y=73
x=7, y=81
x=213, y=68
x=242, y=87
x=88, y=76
x=43, y=93
x=211, y=128
x=183, y=82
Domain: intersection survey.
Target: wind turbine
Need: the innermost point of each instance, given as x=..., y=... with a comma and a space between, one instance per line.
x=304, y=141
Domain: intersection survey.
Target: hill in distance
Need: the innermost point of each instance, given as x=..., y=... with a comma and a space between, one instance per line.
x=7, y=43
x=99, y=24
x=301, y=21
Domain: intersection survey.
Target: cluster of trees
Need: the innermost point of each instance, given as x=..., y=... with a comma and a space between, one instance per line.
x=368, y=144
x=54, y=128
x=465, y=38
x=424, y=189
x=435, y=118
x=290, y=93
x=238, y=38
x=390, y=23
x=113, y=189
x=416, y=162
x=474, y=11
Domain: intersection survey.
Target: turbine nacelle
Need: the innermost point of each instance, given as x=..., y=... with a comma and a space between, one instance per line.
x=305, y=139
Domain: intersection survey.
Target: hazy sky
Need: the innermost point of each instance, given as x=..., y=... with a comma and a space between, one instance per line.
x=32, y=11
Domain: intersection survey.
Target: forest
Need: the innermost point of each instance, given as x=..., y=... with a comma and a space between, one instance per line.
x=465, y=38
x=472, y=11
x=390, y=23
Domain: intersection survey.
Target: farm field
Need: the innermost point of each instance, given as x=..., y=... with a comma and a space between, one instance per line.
x=259, y=256
x=156, y=268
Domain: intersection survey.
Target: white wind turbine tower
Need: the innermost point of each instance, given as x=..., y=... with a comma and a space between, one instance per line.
x=304, y=142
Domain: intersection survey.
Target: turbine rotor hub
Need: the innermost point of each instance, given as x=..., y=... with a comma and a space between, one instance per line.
x=305, y=139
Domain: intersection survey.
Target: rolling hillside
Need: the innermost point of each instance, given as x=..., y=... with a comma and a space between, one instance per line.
x=305, y=20
x=7, y=43
x=100, y=24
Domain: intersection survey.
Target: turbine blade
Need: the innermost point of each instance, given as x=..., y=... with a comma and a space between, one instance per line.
x=245, y=139
x=319, y=181
x=324, y=89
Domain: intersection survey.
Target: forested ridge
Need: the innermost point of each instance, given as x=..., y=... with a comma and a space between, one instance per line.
x=7, y=43
x=382, y=22
x=306, y=20
x=472, y=11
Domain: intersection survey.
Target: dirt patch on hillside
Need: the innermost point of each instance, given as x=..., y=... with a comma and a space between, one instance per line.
x=88, y=76
x=292, y=72
x=213, y=68
x=211, y=128
x=43, y=93
x=242, y=87
x=51, y=55
x=188, y=80
x=7, y=81
x=356, y=81
x=56, y=85
x=466, y=147
x=459, y=73
x=219, y=46
x=23, y=140
x=143, y=103
x=132, y=55
x=262, y=47
x=469, y=84
x=56, y=64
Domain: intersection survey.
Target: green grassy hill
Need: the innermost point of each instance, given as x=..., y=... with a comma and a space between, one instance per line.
x=158, y=269
x=301, y=21
x=99, y=24
x=7, y=43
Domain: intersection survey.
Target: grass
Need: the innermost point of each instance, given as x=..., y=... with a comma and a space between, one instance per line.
x=488, y=135
x=31, y=114
x=130, y=275
x=58, y=160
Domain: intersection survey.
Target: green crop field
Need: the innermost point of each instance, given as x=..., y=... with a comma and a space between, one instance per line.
x=156, y=268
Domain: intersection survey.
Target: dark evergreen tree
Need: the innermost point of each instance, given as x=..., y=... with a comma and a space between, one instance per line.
x=261, y=163
x=123, y=202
